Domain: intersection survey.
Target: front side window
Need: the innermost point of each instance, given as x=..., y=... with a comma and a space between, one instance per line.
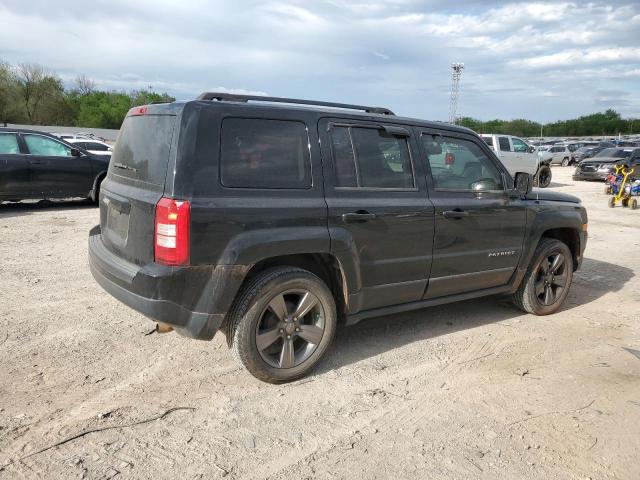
x=459, y=164
x=371, y=158
x=9, y=144
x=504, y=144
x=257, y=153
x=45, y=146
x=519, y=145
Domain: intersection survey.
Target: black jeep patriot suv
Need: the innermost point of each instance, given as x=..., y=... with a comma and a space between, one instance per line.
x=274, y=219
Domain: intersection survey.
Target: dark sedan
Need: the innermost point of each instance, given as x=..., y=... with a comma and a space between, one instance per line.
x=602, y=164
x=37, y=165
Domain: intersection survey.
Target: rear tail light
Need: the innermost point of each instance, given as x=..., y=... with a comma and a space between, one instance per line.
x=171, y=242
x=136, y=111
x=449, y=159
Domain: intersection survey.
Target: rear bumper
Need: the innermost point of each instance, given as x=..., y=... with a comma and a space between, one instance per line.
x=193, y=300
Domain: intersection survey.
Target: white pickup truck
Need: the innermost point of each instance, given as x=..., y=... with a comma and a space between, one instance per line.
x=518, y=156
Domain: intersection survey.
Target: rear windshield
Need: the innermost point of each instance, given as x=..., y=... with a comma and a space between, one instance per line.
x=142, y=149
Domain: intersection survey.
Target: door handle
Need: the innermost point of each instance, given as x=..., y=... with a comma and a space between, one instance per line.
x=35, y=162
x=360, y=216
x=454, y=214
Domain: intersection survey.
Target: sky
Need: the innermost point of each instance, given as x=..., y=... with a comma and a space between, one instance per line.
x=543, y=61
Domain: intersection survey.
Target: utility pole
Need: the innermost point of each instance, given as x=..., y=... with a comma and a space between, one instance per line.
x=456, y=73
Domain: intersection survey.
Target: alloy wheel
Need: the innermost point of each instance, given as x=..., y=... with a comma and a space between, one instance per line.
x=551, y=278
x=290, y=328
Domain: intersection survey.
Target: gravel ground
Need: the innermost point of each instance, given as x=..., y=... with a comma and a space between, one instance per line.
x=471, y=390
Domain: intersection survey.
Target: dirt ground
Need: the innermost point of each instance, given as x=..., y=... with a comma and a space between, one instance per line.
x=471, y=390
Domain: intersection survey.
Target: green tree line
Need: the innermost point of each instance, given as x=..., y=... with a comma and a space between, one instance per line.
x=29, y=94
x=606, y=123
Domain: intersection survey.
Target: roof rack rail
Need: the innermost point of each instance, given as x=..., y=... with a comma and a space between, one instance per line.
x=230, y=97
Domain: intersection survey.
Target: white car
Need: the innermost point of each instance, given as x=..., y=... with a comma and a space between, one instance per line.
x=558, y=155
x=92, y=146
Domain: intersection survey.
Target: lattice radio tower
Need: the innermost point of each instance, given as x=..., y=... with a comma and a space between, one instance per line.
x=456, y=73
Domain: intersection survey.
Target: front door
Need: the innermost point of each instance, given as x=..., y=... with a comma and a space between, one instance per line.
x=379, y=213
x=479, y=229
x=55, y=171
x=14, y=168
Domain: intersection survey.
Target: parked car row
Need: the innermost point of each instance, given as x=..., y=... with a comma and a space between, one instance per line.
x=603, y=163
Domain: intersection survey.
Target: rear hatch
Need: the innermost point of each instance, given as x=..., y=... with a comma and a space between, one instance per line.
x=135, y=183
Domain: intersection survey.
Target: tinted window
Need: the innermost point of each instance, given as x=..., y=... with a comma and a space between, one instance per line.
x=343, y=157
x=95, y=146
x=8, y=144
x=504, y=144
x=142, y=149
x=39, y=145
x=460, y=164
x=264, y=154
x=519, y=145
x=488, y=141
x=381, y=160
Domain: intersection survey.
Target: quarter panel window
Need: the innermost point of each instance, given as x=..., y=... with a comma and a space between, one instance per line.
x=459, y=164
x=9, y=144
x=39, y=145
x=380, y=160
x=504, y=144
x=257, y=153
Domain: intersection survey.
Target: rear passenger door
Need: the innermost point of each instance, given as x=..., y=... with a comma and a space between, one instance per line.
x=14, y=168
x=379, y=213
x=479, y=228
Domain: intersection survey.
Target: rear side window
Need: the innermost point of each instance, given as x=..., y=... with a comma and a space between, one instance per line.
x=142, y=149
x=488, y=141
x=9, y=144
x=257, y=153
x=504, y=144
x=380, y=160
x=95, y=146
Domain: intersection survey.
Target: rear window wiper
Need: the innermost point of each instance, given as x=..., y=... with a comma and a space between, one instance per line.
x=124, y=167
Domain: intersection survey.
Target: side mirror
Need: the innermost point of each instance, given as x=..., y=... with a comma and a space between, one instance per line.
x=75, y=152
x=523, y=183
x=532, y=149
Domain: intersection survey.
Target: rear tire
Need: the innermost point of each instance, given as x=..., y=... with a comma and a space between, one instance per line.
x=274, y=332
x=612, y=202
x=633, y=204
x=547, y=280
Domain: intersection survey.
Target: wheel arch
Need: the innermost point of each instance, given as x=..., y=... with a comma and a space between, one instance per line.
x=570, y=237
x=96, y=184
x=324, y=265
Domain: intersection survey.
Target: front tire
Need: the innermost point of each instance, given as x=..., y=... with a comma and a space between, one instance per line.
x=565, y=162
x=543, y=176
x=281, y=324
x=547, y=280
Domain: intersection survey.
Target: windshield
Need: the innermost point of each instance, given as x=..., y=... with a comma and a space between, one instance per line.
x=614, y=152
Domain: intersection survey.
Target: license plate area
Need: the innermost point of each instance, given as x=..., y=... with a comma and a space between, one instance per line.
x=117, y=230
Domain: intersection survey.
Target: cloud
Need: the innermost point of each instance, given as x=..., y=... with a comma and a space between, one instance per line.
x=539, y=60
